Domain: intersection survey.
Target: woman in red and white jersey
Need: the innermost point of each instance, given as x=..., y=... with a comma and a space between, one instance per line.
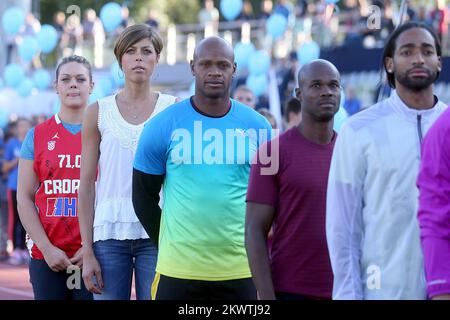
x=49, y=178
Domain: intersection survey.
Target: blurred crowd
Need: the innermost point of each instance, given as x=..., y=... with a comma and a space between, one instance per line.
x=367, y=22
x=347, y=23
x=12, y=234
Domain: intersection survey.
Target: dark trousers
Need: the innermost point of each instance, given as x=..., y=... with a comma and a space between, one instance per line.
x=16, y=231
x=50, y=285
x=294, y=296
x=167, y=288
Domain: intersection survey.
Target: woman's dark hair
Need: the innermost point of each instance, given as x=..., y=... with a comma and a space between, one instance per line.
x=390, y=46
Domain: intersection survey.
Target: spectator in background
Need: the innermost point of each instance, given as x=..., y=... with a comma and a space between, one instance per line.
x=93, y=38
x=73, y=36
x=3, y=206
x=208, y=17
x=284, y=8
x=287, y=74
x=153, y=19
x=301, y=8
x=352, y=103
x=262, y=102
x=269, y=116
x=59, y=21
x=266, y=9
x=439, y=18
x=126, y=19
x=16, y=232
x=421, y=15
x=245, y=95
x=247, y=12
x=31, y=28
x=410, y=11
x=38, y=119
x=292, y=113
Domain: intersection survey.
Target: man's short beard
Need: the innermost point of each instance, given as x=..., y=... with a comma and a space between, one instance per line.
x=416, y=85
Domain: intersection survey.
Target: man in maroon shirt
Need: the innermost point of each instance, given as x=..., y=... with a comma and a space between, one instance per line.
x=293, y=200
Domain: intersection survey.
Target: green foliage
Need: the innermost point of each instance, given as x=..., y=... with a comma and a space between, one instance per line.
x=183, y=11
x=175, y=11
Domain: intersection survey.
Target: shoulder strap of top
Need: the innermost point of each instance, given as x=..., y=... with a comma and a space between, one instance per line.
x=164, y=100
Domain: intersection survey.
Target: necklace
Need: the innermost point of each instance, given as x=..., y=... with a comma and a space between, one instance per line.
x=133, y=114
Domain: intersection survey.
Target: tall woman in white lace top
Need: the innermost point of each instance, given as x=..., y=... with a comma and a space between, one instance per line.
x=114, y=241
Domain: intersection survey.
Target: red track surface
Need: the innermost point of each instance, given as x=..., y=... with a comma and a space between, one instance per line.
x=15, y=284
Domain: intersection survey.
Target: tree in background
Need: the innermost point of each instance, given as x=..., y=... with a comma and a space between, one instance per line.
x=171, y=11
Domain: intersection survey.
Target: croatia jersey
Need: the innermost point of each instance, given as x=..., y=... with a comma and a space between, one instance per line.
x=57, y=165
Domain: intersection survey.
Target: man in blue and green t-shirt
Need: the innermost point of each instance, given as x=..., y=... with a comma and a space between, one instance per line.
x=200, y=149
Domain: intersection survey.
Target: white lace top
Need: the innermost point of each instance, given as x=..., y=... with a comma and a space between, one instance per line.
x=114, y=213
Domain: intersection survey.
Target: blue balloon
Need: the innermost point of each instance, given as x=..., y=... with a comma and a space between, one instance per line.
x=12, y=20
x=56, y=106
x=259, y=63
x=331, y=1
x=4, y=117
x=97, y=94
x=231, y=8
x=111, y=16
x=308, y=52
x=47, y=38
x=28, y=48
x=258, y=84
x=192, y=88
x=117, y=74
x=276, y=25
x=341, y=116
x=42, y=79
x=242, y=53
x=1, y=83
x=13, y=75
x=24, y=89
x=106, y=85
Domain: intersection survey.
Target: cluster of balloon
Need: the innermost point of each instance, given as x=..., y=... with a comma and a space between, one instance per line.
x=13, y=20
x=111, y=16
x=342, y=115
x=258, y=67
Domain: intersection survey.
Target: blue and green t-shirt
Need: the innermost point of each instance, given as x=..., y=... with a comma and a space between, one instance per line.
x=206, y=162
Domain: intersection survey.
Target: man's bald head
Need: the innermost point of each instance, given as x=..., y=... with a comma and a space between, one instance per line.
x=314, y=70
x=214, y=43
x=213, y=67
x=319, y=90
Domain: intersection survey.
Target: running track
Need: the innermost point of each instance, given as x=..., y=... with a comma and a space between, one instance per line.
x=15, y=284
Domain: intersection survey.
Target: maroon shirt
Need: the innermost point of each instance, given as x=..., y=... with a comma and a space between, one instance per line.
x=299, y=254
